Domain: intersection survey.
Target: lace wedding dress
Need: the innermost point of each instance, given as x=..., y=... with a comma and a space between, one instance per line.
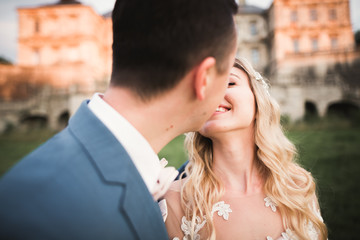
x=223, y=210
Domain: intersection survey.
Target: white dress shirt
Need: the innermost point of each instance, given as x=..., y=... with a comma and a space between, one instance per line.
x=139, y=150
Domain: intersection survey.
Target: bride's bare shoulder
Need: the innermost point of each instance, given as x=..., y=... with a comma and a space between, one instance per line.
x=176, y=185
x=174, y=192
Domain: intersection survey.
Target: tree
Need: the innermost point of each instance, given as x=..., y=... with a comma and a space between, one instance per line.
x=5, y=61
x=357, y=38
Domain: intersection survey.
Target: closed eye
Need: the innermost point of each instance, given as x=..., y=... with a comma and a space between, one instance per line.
x=231, y=84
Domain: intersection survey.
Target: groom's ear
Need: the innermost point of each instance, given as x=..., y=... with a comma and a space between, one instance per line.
x=202, y=74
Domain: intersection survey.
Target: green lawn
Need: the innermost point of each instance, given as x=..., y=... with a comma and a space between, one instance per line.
x=16, y=144
x=333, y=157
x=174, y=152
x=330, y=153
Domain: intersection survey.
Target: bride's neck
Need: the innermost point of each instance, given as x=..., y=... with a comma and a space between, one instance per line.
x=234, y=163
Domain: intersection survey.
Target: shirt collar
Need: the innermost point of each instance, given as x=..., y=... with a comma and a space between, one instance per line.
x=139, y=150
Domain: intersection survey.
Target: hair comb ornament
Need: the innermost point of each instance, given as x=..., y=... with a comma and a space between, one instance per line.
x=259, y=78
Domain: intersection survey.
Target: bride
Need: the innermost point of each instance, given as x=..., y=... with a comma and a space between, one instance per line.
x=242, y=181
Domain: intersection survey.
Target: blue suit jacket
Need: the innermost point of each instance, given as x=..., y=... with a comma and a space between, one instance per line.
x=81, y=184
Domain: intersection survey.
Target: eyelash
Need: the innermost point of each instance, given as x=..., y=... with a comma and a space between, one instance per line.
x=231, y=83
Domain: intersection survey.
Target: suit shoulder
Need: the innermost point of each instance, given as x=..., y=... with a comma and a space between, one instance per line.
x=46, y=163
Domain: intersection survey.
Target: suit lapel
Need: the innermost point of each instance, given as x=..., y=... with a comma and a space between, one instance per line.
x=142, y=210
x=115, y=166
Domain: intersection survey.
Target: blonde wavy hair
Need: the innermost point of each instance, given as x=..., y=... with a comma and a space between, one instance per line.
x=290, y=186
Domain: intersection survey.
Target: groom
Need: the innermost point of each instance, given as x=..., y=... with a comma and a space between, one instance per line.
x=96, y=179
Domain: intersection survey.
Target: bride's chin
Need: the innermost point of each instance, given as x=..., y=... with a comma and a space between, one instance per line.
x=209, y=132
x=204, y=132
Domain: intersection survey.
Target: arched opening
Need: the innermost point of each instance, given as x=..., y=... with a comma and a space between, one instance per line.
x=63, y=119
x=344, y=109
x=311, y=112
x=34, y=121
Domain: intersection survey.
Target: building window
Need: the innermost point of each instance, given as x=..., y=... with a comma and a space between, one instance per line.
x=72, y=54
x=313, y=15
x=332, y=14
x=253, y=28
x=255, y=56
x=293, y=16
x=37, y=26
x=334, y=42
x=296, y=45
x=314, y=44
x=36, y=57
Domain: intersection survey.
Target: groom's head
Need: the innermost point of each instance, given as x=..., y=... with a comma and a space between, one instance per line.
x=157, y=42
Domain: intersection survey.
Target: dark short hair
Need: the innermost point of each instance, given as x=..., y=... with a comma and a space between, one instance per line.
x=156, y=42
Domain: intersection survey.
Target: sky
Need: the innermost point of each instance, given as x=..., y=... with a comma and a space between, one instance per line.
x=9, y=18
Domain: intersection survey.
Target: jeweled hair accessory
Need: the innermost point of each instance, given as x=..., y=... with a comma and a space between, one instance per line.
x=259, y=78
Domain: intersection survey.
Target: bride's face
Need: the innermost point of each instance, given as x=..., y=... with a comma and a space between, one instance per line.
x=237, y=109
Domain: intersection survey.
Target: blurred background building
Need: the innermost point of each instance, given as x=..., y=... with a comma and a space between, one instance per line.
x=305, y=47
x=68, y=35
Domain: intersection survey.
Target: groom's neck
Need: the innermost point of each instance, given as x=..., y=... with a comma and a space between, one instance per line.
x=159, y=120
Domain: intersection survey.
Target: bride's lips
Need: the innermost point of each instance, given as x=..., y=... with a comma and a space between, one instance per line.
x=222, y=109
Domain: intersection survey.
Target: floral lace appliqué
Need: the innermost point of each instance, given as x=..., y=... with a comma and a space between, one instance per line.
x=284, y=236
x=270, y=203
x=223, y=210
x=313, y=232
x=186, y=228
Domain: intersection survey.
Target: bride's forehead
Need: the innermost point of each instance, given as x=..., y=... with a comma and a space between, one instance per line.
x=237, y=72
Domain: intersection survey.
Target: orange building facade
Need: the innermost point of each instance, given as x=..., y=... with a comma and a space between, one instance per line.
x=68, y=37
x=305, y=33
